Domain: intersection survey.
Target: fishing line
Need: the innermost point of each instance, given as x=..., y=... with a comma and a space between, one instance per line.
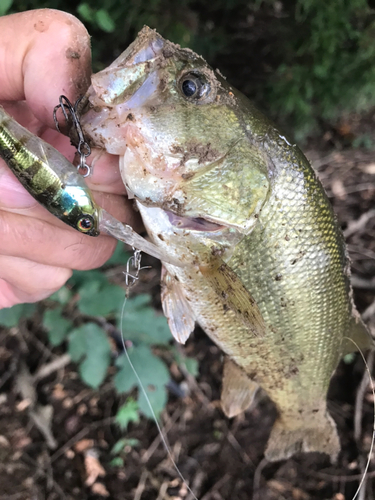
x=136, y=260
x=373, y=427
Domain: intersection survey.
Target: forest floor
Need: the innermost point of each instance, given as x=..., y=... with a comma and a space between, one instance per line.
x=220, y=459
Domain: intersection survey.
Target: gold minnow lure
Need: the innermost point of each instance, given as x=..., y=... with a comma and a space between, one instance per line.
x=55, y=183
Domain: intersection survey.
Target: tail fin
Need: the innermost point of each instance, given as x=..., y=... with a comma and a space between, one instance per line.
x=321, y=437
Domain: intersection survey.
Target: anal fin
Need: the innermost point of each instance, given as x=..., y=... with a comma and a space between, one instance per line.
x=238, y=389
x=358, y=338
x=176, y=308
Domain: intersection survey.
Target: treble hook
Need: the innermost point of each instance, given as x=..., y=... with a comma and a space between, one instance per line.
x=83, y=148
x=135, y=261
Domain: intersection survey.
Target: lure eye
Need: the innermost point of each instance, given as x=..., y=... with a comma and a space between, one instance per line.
x=194, y=86
x=85, y=224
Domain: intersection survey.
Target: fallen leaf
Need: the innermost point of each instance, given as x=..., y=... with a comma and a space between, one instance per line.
x=84, y=445
x=369, y=169
x=338, y=189
x=99, y=489
x=58, y=392
x=93, y=467
x=22, y=405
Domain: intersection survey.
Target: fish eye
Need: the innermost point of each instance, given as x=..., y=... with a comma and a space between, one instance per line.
x=194, y=86
x=85, y=224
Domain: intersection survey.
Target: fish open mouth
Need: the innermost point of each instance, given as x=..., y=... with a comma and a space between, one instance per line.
x=193, y=223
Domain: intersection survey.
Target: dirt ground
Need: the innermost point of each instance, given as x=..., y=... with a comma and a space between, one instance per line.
x=220, y=459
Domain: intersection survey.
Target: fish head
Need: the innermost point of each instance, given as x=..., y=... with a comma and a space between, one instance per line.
x=175, y=123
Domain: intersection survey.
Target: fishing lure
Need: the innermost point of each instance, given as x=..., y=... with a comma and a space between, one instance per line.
x=55, y=183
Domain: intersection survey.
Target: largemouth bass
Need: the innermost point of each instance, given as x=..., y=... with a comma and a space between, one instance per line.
x=55, y=183
x=221, y=189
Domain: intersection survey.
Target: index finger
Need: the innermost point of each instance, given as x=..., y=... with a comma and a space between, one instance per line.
x=43, y=53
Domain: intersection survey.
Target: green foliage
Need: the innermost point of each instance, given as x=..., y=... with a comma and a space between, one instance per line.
x=142, y=323
x=10, y=317
x=97, y=307
x=153, y=374
x=89, y=346
x=57, y=326
x=120, y=449
x=127, y=413
x=5, y=6
x=311, y=60
x=327, y=63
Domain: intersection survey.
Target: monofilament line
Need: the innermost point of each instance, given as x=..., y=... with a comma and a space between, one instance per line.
x=149, y=403
x=373, y=425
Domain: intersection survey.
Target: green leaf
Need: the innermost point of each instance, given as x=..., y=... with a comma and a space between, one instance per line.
x=120, y=256
x=128, y=412
x=104, y=20
x=58, y=327
x=62, y=296
x=91, y=343
x=142, y=324
x=349, y=358
x=121, y=443
x=192, y=366
x=5, y=5
x=152, y=372
x=86, y=12
x=10, y=316
x=156, y=397
x=117, y=462
x=100, y=298
x=79, y=278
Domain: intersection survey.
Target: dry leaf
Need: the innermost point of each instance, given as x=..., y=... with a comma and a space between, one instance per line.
x=83, y=445
x=93, y=468
x=58, y=392
x=22, y=405
x=99, y=489
x=70, y=454
x=369, y=169
x=338, y=189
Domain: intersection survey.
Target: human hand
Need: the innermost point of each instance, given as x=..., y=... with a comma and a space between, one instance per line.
x=43, y=54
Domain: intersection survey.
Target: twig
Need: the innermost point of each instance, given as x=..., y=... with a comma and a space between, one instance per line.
x=163, y=491
x=358, y=282
x=156, y=442
x=82, y=433
x=216, y=486
x=51, y=367
x=359, y=398
x=141, y=485
x=356, y=225
x=358, y=420
x=196, y=485
x=369, y=312
x=257, y=477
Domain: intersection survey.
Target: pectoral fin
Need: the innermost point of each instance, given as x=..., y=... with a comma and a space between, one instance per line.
x=176, y=308
x=238, y=389
x=358, y=338
x=233, y=294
